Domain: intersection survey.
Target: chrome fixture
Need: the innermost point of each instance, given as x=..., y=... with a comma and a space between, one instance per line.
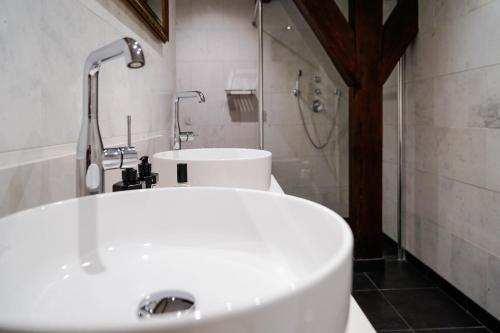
x=260, y=29
x=317, y=107
x=164, y=302
x=296, y=90
x=400, y=157
x=180, y=136
x=258, y=23
x=92, y=159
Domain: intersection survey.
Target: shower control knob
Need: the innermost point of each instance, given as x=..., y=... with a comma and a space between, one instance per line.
x=317, y=106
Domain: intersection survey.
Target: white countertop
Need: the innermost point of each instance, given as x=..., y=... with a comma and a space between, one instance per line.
x=357, y=321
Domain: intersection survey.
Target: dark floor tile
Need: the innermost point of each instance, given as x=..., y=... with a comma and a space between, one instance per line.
x=361, y=282
x=399, y=275
x=456, y=330
x=429, y=308
x=378, y=311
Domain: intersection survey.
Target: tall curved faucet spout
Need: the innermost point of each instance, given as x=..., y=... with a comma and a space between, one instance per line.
x=92, y=159
x=178, y=136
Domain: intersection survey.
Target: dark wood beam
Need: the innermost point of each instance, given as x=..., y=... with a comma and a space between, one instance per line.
x=400, y=30
x=365, y=131
x=365, y=51
x=334, y=33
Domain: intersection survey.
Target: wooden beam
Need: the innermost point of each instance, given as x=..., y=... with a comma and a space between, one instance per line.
x=399, y=31
x=365, y=131
x=334, y=33
x=364, y=51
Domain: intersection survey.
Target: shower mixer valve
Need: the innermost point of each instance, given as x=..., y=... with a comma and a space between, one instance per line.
x=317, y=106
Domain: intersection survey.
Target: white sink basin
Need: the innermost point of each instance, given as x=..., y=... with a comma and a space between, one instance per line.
x=254, y=261
x=221, y=167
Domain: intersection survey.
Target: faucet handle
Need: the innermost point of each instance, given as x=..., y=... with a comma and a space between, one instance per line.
x=119, y=158
x=129, y=131
x=111, y=158
x=129, y=157
x=128, y=154
x=187, y=136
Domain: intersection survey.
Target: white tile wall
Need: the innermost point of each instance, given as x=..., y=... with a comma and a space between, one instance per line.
x=452, y=178
x=46, y=43
x=214, y=38
x=389, y=150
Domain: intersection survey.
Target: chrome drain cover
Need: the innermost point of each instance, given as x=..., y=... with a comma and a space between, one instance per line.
x=162, y=302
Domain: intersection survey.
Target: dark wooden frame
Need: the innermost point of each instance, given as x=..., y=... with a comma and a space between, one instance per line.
x=144, y=12
x=364, y=51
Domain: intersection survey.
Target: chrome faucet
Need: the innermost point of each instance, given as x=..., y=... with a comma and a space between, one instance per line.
x=92, y=159
x=179, y=135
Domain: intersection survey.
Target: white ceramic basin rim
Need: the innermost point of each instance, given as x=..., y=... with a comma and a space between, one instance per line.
x=252, y=259
x=215, y=154
x=222, y=167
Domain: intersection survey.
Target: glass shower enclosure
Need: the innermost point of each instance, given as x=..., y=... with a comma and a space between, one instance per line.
x=305, y=110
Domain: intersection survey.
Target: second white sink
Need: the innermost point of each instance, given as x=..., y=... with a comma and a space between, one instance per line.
x=221, y=167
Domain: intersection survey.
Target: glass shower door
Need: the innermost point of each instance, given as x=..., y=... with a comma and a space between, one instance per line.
x=306, y=110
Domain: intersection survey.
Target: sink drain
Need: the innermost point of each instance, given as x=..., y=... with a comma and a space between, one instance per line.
x=162, y=302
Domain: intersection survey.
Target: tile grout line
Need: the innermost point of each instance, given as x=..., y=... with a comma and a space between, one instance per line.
x=408, y=289
x=430, y=288
x=395, y=289
x=465, y=309
x=447, y=328
x=392, y=306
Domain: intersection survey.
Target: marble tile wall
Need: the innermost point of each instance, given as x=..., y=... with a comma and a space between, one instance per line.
x=46, y=43
x=452, y=174
x=215, y=38
x=389, y=158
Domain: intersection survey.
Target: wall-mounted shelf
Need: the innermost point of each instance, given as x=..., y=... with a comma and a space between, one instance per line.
x=242, y=104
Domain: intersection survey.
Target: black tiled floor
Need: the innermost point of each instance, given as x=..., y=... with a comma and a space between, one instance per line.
x=402, y=300
x=361, y=282
x=429, y=308
x=379, y=312
x=398, y=275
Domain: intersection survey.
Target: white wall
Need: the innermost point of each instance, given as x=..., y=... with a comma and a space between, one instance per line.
x=452, y=176
x=44, y=46
x=215, y=37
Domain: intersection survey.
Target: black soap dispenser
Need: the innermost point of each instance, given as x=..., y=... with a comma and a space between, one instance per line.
x=182, y=175
x=146, y=177
x=129, y=181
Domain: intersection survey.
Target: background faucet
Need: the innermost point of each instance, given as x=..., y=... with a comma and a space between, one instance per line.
x=179, y=135
x=92, y=159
